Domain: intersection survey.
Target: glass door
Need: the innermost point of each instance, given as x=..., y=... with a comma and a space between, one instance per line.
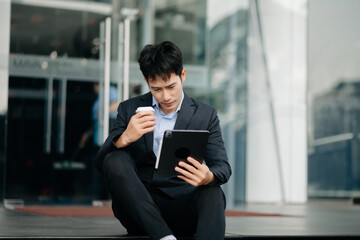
x=62, y=92
x=45, y=159
x=70, y=60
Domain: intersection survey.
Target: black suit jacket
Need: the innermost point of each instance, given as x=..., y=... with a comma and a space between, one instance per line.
x=193, y=115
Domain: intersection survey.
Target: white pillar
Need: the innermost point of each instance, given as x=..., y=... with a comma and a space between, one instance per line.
x=4, y=86
x=276, y=133
x=4, y=53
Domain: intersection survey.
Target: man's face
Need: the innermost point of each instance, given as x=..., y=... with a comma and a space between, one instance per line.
x=168, y=93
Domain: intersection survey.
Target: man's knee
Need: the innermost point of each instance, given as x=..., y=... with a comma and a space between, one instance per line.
x=212, y=195
x=118, y=164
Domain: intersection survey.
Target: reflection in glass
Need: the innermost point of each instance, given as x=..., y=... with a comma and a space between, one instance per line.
x=214, y=50
x=50, y=31
x=334, y=104
x=215, y=40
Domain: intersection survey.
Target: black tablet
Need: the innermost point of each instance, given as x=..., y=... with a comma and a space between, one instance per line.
x=177, y=145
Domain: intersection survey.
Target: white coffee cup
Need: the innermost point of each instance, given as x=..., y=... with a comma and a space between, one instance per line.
x=148, y=109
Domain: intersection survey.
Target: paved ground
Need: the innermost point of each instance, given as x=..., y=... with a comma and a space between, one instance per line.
x=317, y=218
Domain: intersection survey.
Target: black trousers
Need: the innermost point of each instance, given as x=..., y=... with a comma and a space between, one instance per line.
x=149, y=211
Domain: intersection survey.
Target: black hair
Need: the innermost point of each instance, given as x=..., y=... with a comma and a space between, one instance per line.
x=161, y=60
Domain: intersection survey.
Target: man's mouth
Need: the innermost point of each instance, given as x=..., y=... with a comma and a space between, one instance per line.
x=168, y=104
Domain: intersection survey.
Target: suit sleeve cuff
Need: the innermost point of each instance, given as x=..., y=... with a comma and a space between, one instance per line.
x=114, y=141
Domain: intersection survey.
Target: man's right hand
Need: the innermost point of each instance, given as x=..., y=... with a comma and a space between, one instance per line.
x=141, y=123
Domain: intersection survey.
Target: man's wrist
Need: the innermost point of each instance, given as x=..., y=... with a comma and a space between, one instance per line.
x=122, y=141
x=211, y=177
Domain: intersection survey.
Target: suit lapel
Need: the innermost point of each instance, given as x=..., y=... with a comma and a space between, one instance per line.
x=185, y=114
x=149, y=137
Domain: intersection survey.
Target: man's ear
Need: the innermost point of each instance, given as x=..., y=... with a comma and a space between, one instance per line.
x=183, y=75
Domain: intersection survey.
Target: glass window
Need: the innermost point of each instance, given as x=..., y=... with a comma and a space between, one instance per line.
x=214, y=41
x=50, y=40
x=334, y=104
x=184, y=24
x=56, y=32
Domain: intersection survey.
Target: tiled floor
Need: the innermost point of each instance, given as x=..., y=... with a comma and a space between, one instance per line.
x=317, y=218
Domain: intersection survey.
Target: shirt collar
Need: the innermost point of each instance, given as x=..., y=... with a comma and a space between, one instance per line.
x=156, y=104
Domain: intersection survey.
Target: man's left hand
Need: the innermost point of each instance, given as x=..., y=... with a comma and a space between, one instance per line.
x=196, y=174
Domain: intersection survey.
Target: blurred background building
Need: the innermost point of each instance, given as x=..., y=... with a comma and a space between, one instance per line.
x=282, y=74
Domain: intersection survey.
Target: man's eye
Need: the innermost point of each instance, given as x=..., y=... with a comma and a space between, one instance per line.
x=157, y=90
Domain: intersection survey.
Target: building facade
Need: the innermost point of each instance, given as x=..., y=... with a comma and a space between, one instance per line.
x=258, y=62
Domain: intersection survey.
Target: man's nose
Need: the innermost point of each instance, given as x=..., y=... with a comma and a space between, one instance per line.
x=166, y=96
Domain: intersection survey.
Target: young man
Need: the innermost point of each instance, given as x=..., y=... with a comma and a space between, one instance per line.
x=191, y=202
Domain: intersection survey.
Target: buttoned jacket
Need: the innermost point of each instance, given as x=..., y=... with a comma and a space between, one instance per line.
x=193, y=115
